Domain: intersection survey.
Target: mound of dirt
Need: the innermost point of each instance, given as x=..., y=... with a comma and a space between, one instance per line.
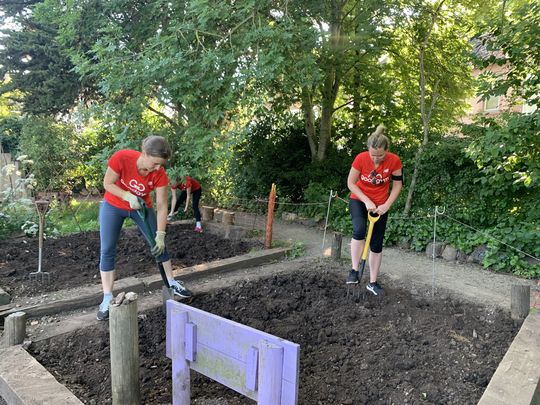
x=397, y=349
x=73, y=260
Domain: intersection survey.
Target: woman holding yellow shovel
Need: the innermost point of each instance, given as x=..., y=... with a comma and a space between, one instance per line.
x=369, y=181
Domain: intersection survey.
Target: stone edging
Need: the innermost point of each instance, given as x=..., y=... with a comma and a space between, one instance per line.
x=30, y=382
x=517, y=378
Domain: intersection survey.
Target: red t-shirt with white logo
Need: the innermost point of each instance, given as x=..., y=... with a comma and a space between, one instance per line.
x=190, y=182
x=375, y=183
x=124, y=163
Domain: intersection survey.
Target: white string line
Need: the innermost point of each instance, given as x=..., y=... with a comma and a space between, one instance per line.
x=428, y=216
x=262, y=200
x=332, y=194
x=493, y=238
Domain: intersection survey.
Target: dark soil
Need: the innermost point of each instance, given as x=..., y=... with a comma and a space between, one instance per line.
x=399, y=349
x=73, y=260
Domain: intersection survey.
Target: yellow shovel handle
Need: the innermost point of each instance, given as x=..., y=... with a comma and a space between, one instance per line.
x=372, y=219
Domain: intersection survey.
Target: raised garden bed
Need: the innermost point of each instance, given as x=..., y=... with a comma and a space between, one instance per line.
x=399, y=349
x=73, y=261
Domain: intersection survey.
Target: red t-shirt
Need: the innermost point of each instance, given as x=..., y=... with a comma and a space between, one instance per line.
x=190, y=182
x=378, y=192
x=124, y=162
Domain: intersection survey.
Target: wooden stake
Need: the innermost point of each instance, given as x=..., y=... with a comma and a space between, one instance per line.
x=336, y=246
x=520, y=304
x=270, y=217
x=124, y=337
x=14, y=329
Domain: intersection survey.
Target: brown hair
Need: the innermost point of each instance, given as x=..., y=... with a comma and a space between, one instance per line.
x=156, y=146
x=378, y=139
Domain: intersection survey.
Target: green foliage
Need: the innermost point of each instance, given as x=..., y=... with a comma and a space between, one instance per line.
x=36, y=66
x=508, y=158
x=76, y=216
x=48, y=146
x=514, y=43
x=13, y=215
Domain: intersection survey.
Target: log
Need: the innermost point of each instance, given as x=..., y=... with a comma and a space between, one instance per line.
x=520, y=301
x=228, y=218
x=336, y=246
x=207, y=213
x=124, y=341
x=14, y=329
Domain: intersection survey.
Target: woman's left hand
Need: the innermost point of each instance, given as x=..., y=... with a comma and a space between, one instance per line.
x=382, y=209
x=159, y=248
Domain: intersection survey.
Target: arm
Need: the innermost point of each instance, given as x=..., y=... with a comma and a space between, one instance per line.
x=173, y=201
x=162, y=207
x=351, y=183
x=108, y=183
x=397, y=185
x=188, y=198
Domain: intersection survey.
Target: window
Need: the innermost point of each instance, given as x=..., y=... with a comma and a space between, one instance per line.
x=492, y=104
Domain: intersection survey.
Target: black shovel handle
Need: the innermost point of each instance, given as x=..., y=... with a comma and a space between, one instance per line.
x=143, y=213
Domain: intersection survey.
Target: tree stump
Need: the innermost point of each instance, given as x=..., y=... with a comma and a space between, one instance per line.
x=14, y=329
x=207, y=213
x=228, y=218
x=336, y=246
x=520, y=303
x=218, y=214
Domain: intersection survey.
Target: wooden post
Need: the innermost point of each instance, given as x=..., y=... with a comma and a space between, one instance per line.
x=181, y=381
x=228, y=218
x=336, y=246
x=520, y=304
x=270, y=217
x=207, y=213
x=124, y=337
x=14, y=329
x=270, y=374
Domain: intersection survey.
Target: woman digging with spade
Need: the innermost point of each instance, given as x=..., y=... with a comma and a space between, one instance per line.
x=369, y=182
x=131, y=175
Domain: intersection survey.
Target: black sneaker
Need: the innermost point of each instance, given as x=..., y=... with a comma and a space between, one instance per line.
x=375, y=288
x=179, y=289
x=353, y=277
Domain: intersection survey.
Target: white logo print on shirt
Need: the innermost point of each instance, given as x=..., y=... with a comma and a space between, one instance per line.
x=136, y=187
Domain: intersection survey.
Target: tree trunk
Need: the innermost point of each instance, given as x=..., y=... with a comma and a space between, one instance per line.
x=309, y=121
x=331, y=83
x=425, y=114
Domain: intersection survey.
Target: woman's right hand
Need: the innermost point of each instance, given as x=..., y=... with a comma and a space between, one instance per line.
x=370, y=206
x=132, y=200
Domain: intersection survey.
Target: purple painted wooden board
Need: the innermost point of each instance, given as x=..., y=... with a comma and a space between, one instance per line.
x=224, y=352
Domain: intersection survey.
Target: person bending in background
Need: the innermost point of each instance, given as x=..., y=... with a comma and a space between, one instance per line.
x=369, y=181
x=132, y=175
x=190, y=190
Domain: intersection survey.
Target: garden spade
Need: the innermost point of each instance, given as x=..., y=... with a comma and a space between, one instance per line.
x=372, y=218
x=143, y=213
x=41, y=206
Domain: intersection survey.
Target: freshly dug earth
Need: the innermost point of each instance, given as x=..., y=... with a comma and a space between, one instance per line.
x=399, y=349
x=73, y=260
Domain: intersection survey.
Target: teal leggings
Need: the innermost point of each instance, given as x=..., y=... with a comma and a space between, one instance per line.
x=111, y=220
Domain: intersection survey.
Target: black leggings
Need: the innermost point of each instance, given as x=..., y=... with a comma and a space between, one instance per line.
x=359, y=213
x=195, y=197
